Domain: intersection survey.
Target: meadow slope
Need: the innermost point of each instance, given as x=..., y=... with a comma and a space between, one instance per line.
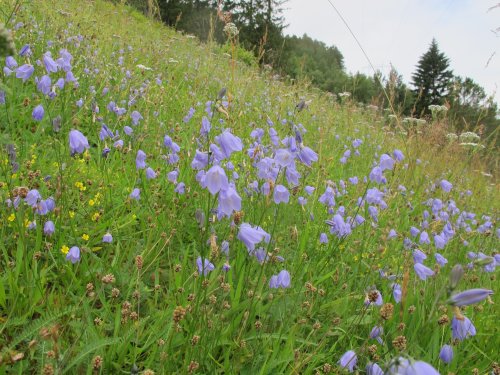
x=168, y=209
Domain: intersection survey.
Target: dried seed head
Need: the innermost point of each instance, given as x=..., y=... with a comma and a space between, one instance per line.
x=48, y=369
x=108, y=279
x=327, y=368
x=195, y=340
x=97, y=362
x=412, y=309
x=399, y=343
x=386, y=311
x=373, y=296
x=115, y=292
x=443, y=319
x=179, y=313
x=193, y=366
x=139, y=262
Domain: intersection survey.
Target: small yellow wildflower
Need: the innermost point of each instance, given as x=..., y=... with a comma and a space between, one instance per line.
x=64, y=249
x=14, y=176
x=96, y=216
x=11, y=217
x=85, y=237
x=71, y=214
x=91, y=202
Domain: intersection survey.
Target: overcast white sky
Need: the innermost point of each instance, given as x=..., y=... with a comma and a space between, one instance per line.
x=398, y=32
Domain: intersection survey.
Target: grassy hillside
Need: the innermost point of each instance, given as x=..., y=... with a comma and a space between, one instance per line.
x=166, y=208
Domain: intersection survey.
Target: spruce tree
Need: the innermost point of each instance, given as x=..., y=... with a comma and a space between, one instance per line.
x=432, y=79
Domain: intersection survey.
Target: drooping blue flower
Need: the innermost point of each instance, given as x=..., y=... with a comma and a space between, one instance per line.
x=323, y=238
x=150, y=173
x=229, y=143
x=284, y=279
x=307, y=155
x=422, y=271
x=229, y=201
x=25, y=50
x=462, y=327
x=392, y=234
x=403, y=366
x=281, y=194
x=273, y=282
x=33, y=197
x=376, y=332
x=204, y=266
x=377, y=176
x=38, y=113
x=348, y=360
x=386, y=162
x=172, y=176
x=439, y=241
x=373, y=369
x=446, y=354
x=135, y=194
x=424, y=238
x=107, y=238
x=77, y=142
x=446, y=186
x=441, y=260
x=180, y=188
x=418, y=256
x=414, y=231
x=140, y=160
x=168, y=142
x=128, y=130
x=73, y=255
x=25, y=71
x=49, y=228
x=470, y=297
x=49, y=63
x=136, y=117
x=205, y=126
x=216, y=179
x=398, y=155
x=200, y=160
x=397, y=293
x=44, y=84
x=250, y=236
x=283, y=157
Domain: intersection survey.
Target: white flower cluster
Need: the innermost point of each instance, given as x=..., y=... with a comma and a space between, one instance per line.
x=345, y=94
x=451, y=137
x=471, y=145
x=231, y=30
x=438, y=108
x=468, y=137
x=413, y=121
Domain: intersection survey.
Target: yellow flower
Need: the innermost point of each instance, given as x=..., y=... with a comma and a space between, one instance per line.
x=85, y=236
x=96, y=216
x=71, y=214
x=64, y=249
x=11, y=217
x=91, y=202
x=80, y=186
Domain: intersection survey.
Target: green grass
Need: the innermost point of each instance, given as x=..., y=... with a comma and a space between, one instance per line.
x=157, y=312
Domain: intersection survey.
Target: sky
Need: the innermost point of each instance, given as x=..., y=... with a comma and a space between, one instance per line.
x=399, y=32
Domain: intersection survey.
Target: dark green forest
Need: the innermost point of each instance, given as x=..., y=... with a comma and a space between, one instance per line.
x=260, y=29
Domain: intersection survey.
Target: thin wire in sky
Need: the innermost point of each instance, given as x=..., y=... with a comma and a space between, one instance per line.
x=367, y=59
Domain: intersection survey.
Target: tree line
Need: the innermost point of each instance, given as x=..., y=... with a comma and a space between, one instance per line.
x=260, y=25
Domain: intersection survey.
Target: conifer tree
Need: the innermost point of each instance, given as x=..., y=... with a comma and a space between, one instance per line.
x=432, y=79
